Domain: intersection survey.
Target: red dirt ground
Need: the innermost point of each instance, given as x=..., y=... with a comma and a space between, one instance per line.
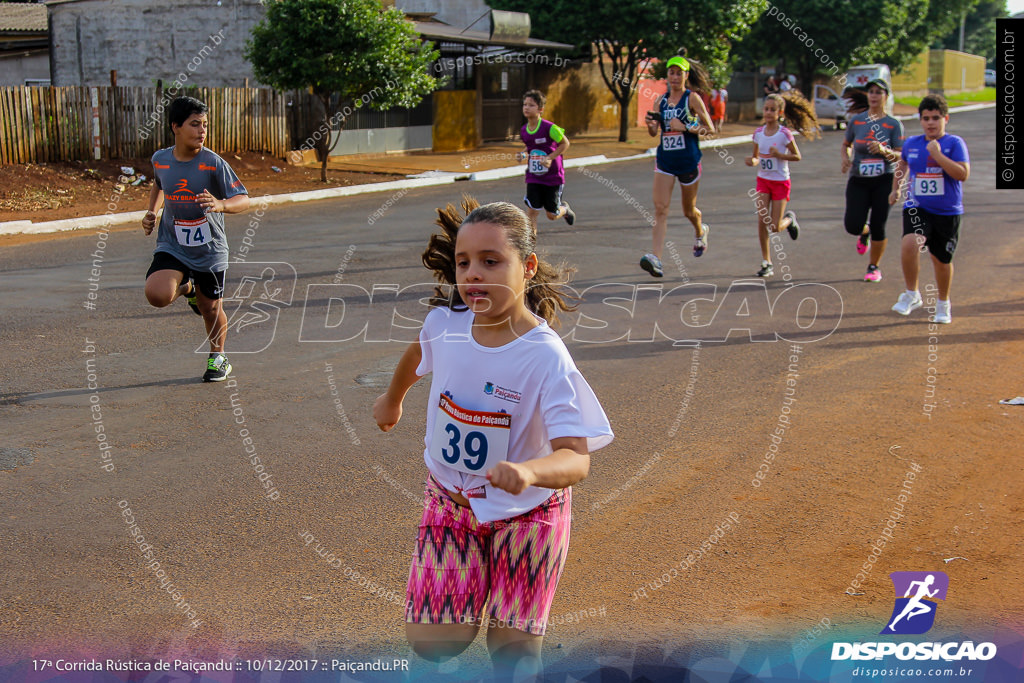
x=77, y=189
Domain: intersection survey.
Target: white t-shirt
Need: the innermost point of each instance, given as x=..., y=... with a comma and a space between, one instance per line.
x=523, y=394
x=785, y=85
x=768, y=167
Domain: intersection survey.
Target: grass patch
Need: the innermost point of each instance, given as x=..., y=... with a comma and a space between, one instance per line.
x=983, y=95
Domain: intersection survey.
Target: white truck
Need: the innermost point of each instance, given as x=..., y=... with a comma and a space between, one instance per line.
x=830, y=106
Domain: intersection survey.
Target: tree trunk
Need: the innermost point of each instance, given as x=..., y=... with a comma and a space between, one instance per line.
x=807, y=71
x=624, y=114
x=325, y=149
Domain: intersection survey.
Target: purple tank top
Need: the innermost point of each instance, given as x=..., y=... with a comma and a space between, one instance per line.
x=539, y=144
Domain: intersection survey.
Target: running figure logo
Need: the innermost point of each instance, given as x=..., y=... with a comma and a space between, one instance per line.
x=254, y=295
x=914, y=611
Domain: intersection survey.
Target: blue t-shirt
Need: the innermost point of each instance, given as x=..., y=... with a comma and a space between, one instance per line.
x=195, y=238
x=931, y=188
x=678, y=152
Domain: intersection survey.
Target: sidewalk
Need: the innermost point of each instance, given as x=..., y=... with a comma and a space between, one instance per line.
x=495, y=155
x=421, y=169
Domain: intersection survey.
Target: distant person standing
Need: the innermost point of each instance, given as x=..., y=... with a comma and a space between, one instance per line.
x=196, y=188
x=719, y=99
x=771, y=86
x=786, y=84
x=938, y=164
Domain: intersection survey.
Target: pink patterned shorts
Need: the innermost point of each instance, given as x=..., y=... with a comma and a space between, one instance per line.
x=460, y=564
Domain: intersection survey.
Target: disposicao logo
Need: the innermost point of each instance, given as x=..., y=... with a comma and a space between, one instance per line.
x=914, y=613
x=916, y=592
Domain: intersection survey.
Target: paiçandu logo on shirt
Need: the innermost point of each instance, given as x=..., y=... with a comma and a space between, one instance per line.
x=510, y=395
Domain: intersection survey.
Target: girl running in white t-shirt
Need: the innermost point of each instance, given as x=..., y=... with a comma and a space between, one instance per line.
x=774, y=147
x=510, y=427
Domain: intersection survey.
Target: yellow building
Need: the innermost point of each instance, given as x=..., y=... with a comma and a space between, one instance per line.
x=940, y=71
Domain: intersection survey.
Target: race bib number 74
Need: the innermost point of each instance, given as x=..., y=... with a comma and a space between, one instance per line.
x=192, y=233
x=469, y=441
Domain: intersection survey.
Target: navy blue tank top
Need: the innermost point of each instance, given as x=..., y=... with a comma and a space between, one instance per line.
x=678, y=153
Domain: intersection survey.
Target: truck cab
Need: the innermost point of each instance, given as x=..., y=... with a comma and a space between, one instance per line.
x=829, y=106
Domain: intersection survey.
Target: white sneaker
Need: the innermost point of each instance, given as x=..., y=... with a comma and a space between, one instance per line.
x=942, y=313
x=908, y=302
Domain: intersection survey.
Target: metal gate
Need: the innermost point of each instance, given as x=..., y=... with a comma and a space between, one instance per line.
x=503, y=87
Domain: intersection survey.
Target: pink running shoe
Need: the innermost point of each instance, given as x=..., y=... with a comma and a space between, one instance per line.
x=862, y=243
x=874, y=274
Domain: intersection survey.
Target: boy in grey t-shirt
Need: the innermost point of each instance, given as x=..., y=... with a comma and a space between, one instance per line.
x=196, y=188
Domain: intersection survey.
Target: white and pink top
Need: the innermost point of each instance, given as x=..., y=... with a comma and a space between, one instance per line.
x=769, y=167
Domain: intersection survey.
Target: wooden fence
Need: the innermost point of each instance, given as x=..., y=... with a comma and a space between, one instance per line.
x=39, y=124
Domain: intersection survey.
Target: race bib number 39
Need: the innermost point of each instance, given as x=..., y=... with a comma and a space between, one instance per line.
x=192, y=233
x=672, y=141
x=469, y=441
x=929, y=185
x=870, y=168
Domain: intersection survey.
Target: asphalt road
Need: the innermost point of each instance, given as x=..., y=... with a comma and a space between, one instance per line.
x=103, y=413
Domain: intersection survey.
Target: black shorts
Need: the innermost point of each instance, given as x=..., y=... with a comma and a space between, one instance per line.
x=210, y=284
x=685, y=178
x=941, y=233
x=547, y=197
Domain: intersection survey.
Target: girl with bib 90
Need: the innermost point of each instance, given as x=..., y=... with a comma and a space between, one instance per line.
x=774, y=147
x=510, y=427
x=680, y=119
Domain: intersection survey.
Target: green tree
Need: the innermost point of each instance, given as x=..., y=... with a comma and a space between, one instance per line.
x=344, y=51
x=979, y=31
x=942, y=16
x=625, y=33
x=828, y=36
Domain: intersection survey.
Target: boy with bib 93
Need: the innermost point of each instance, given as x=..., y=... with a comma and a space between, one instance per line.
x=511, y=424
x=938, y=165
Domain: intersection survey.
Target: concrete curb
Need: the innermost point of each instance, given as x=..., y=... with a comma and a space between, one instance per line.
x=108, y=220
x=30, y=228
x=954, y=110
